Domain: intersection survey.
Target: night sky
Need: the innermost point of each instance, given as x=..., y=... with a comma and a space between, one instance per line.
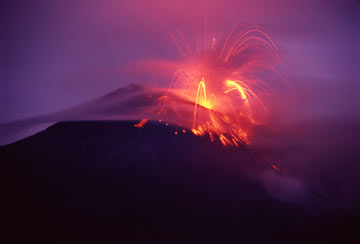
x=56, y=54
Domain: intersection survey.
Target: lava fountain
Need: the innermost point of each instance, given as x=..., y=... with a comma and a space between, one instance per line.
x=224, y=83
x=223, y=88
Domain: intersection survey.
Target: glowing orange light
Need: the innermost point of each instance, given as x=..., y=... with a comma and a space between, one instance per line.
x=275, y=167
x=141, y=123
x=222, y=85
x=236, y=86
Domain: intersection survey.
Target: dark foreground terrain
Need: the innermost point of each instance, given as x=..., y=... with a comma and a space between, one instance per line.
x=109, y=182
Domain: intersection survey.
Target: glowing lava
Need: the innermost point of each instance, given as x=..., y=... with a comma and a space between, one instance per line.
x=141, y=123
x=229, y=84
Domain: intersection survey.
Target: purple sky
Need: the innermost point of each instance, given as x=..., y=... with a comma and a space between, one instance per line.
x=55, y=54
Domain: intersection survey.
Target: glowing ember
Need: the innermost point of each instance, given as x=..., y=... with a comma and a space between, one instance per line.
x=141, y=123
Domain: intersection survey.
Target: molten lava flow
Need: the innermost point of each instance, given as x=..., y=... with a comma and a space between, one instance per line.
x=141, y=123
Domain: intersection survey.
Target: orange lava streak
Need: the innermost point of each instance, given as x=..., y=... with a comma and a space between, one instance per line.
x=237, y=87
x=238, y=41
x=203, y=102
x=141, y=123
x=274, y=166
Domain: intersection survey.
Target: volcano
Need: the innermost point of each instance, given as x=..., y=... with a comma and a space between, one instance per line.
x=111, y=182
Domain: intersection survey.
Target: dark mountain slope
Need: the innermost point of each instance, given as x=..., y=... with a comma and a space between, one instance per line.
x=110, y=182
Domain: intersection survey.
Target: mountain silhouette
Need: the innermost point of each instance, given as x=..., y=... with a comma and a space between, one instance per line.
x=127, y=103
x=111, y=182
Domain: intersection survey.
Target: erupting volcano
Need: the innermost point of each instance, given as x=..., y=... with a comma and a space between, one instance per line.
x=156, y=122
x=224, y=82
x=221, y=89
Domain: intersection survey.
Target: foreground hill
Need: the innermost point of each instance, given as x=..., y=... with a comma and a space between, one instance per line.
x=110, y=182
